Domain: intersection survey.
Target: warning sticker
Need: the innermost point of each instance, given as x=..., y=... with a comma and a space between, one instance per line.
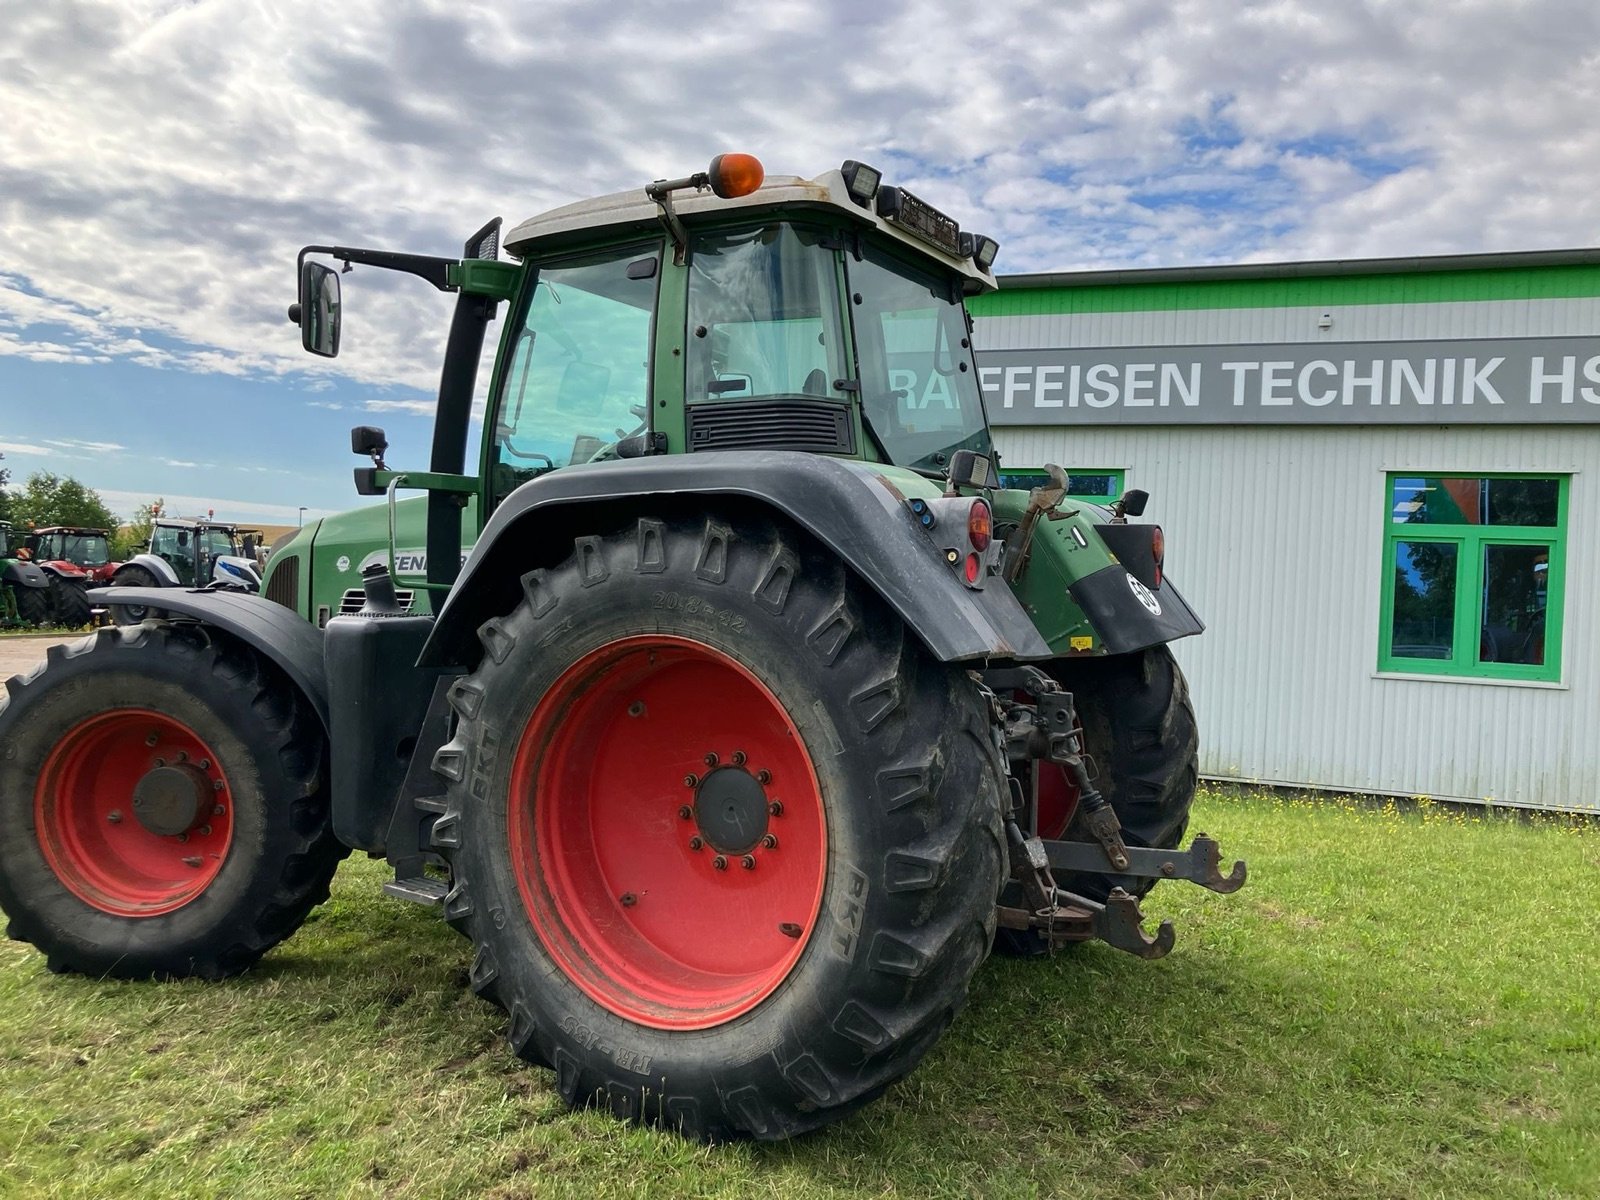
x=1081, y=643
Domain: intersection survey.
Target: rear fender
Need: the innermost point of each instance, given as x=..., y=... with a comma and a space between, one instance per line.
x=844, y=504
x=24, y=574
x=156, y=565
x=277, y=634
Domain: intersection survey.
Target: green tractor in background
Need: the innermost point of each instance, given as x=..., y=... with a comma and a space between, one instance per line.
x=757, y=714
x=24, y=588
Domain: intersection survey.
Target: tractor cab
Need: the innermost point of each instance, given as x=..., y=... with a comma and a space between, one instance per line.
x=191, y=547
x=87, y=549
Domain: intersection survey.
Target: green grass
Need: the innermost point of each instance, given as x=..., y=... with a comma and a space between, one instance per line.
x=1397, y=1004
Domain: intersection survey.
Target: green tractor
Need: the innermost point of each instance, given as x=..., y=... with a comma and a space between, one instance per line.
x=757, y=715
x=25, y=598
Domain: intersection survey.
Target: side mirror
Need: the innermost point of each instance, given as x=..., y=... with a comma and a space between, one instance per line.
x=183, y=537
x=319, y=309
x=1132, y=503
x=968, y=468
x=248, y=548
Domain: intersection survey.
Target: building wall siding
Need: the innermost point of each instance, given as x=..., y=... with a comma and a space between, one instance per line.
x=1276, y=535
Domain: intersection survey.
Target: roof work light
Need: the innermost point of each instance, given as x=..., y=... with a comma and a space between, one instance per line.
x=861, y=181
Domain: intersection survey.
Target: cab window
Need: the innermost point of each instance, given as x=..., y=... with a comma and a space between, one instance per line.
x=578, y=380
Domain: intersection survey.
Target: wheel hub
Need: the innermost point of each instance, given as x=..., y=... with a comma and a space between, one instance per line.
x=730, y=809
x=170, y=800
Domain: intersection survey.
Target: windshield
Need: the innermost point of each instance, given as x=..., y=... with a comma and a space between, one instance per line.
x=85, y=549
x=918, y=388
x=764, y=314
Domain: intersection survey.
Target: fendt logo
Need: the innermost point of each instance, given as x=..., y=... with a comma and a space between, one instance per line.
x=1145, y=596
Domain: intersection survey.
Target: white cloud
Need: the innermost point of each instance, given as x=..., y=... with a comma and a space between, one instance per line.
x=122, y=503
x=1122, y=132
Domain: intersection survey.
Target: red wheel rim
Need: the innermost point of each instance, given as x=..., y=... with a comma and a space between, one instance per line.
x=649, y=760
x=109, y=805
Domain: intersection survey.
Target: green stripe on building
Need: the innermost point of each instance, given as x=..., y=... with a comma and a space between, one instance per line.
x=1544, y=283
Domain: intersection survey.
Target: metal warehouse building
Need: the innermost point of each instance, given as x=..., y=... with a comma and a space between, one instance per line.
x=1380, y=485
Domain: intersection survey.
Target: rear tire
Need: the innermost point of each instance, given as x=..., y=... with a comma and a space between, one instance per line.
x=132, y=614
x=33, y=604
x=756, y=1000
x=162, y=807
x=69, y=603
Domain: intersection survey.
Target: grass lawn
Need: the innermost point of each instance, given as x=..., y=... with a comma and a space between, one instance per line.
x=1397, y=1004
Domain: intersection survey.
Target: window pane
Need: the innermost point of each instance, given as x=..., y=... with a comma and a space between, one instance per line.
x=1473, y=500
x=1424, y=600
x=1523, y=501
x=1515, y=589
x=1101, y=485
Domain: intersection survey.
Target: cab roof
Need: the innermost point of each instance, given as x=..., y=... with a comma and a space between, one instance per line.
x=622, y=212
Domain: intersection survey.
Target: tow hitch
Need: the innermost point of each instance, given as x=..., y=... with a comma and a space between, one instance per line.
x=1047, y=729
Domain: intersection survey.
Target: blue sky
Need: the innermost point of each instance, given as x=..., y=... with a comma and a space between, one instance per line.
x=162, y=161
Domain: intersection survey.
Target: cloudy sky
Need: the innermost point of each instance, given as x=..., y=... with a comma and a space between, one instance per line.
x=161, y=163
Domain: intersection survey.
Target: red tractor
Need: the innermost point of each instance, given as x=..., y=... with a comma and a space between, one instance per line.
x=74, y=559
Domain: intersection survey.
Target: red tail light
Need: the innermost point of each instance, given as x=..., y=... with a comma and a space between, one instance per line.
x=980, y=525
x=973, y=567
x=1158, y=549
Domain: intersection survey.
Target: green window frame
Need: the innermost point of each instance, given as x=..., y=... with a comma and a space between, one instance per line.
x=1462, y=565
x=1082, y=482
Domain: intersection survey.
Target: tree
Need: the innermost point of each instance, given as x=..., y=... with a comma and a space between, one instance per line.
x=5, y=497
x=135, y=535
x=50, y=499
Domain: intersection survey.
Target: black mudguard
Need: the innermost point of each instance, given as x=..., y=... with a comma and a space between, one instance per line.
x=842, y=503
x=280, y=635
x=1128, y=615
x=23, y=574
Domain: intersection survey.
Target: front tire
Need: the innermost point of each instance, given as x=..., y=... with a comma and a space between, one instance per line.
x=162, y=808
x=846, y=781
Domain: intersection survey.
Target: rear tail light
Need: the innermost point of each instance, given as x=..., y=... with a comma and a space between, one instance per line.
x=1158, y=549
x=980, y=525
x=973, y=568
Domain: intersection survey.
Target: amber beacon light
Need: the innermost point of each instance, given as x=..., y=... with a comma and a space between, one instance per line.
x=735, y=175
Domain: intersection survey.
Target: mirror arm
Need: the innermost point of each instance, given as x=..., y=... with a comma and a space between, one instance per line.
x=425, y=266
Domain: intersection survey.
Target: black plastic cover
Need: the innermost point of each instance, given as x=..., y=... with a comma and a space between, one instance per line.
x=24, y=574
x=1130, y=616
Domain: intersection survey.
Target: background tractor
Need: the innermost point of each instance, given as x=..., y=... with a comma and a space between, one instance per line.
x=73, y=559
x=24, y=588
x=755, y=711
x=194, y=553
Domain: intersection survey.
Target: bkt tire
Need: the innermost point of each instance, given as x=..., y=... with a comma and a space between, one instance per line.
x=162, y=810
x=725, y=837
x=69, y=603
x=132, y=614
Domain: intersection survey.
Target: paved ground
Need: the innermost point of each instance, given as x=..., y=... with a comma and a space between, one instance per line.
x=19, y=654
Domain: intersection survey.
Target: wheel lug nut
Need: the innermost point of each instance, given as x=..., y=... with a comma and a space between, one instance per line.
x=789, y=929
x=763, y=776
x=711, y=759
x=770, y=841
x=183, y=837
x=691, y=781
x=216, y=786
x=115, y=816
x=685, y=811
x=183, y=756
x=720, y=863
x=160, y=762
x=748, y=862
x=629, y=899
x=695, y=843
x=204, y=831
x=205, y=764
x=738, y=758
x=636, y=709
x=216, y=809
x=776, y=808
x=150, y=739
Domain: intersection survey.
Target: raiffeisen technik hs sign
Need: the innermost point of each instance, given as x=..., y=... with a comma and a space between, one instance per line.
x=1480, y=381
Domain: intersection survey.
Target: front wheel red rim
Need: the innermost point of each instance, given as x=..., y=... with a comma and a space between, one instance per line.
x=133, y=813
x=667, y=832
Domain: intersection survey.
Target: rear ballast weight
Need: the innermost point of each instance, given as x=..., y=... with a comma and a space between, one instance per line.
x=757, y=715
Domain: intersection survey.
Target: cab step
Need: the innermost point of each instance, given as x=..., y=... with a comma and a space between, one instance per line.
x=419, y=889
